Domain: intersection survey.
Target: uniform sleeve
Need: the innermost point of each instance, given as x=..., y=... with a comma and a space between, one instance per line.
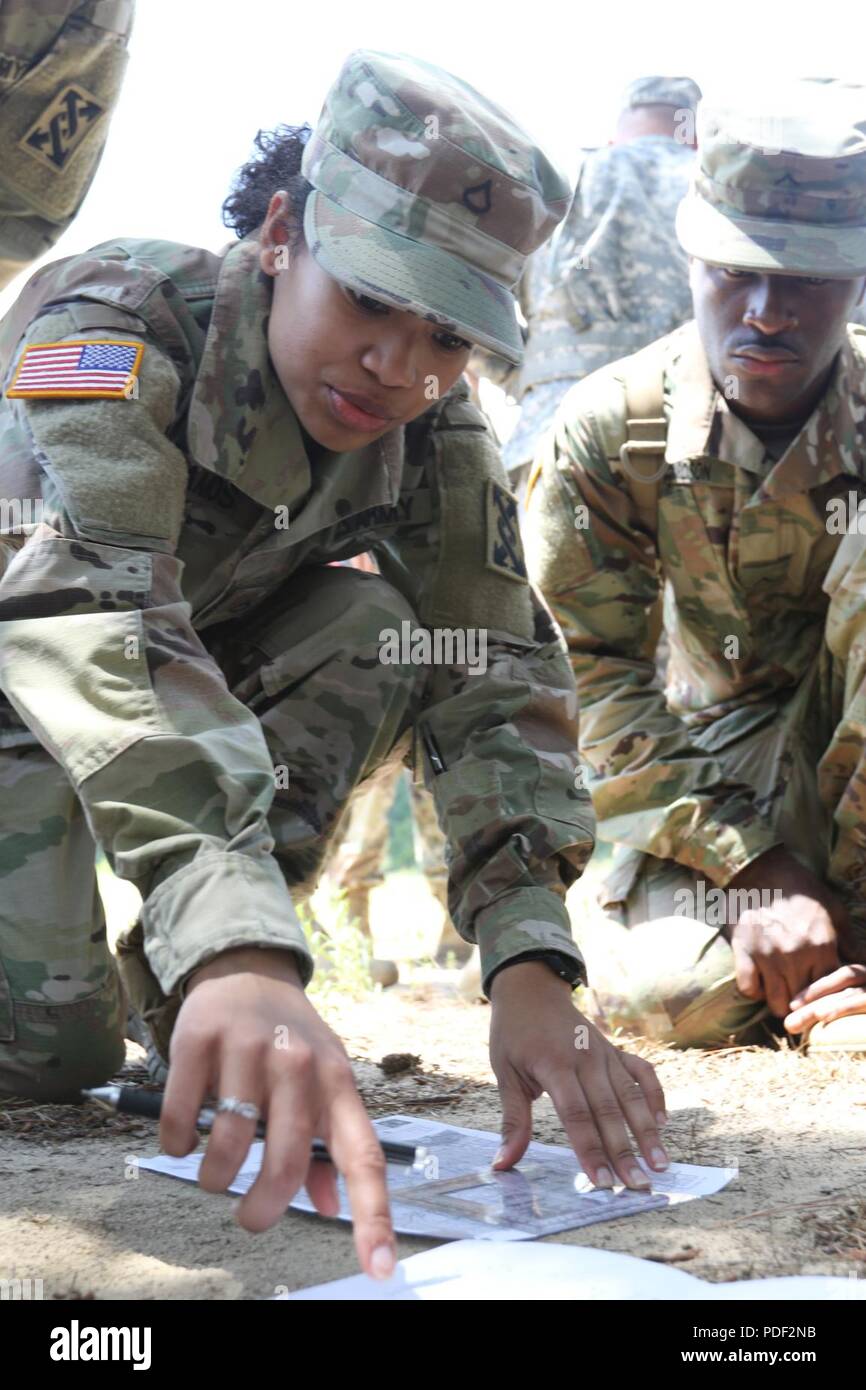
x=597, y=566
x=99, y=658
x=498, y=736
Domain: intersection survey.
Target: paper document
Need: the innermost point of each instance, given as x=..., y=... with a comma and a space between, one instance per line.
x=455, y=1195
x=471, y=1270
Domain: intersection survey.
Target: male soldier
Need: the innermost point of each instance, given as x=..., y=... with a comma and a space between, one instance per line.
x=613, y=277
x=717, y=462
x=61, y=68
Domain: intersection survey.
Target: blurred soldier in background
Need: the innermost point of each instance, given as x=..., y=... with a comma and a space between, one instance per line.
x=353, y=866
x=61, y=68
x=614, y=277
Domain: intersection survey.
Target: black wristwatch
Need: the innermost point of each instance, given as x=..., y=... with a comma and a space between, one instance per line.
x=561, y=964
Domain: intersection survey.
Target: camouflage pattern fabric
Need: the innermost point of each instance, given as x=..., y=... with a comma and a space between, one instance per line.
x=780, y=182
x=650, y=929
x=758, y=737
x=62, y=64
x=612, y=279
x=428, y=195
x=61, y=1001
x=356, y=856
x=62, y=1006
x=163, y=608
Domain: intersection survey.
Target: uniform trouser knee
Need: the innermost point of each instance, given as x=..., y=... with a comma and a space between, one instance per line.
x=655, y=970
x=56, y=1050
x=671, y=979
x=62, y=1010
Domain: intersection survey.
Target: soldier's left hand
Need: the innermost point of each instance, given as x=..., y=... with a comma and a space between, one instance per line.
x=791, y=942
x=539, y=1042
x=843, y=992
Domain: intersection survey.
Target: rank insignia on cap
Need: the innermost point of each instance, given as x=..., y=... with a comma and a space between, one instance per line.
x=504, y=547
x=105, y=368
x=61, y=127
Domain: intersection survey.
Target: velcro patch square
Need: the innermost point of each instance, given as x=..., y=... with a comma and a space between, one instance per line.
x=105, y=368
x=62, y=126
x=504, y=546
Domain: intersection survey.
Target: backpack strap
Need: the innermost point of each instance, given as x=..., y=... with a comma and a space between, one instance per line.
x=642, y=453
x=637, y=441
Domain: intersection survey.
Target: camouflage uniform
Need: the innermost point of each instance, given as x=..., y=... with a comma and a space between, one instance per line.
x=188, y=681
x=61, y=68
x=610, y=280
x=758, y=737
x=353, y=864
x=357, y=859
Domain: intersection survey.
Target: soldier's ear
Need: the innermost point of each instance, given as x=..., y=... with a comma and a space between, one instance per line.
x=277, y=234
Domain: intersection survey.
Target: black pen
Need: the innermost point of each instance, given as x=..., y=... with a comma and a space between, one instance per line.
x=432, y=750
x=132, y=1100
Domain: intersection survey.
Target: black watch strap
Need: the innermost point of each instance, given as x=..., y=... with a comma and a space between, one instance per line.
x=561, y=964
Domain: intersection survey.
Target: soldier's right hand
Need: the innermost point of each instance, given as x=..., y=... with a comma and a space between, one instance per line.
x=246, y=1029
x=785, y=945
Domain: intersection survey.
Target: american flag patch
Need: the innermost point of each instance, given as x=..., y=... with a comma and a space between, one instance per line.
x=85, y=368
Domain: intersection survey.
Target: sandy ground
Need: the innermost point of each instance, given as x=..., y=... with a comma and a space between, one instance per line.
x=75, y=1212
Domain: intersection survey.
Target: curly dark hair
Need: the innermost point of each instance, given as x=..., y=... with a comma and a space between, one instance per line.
x=277, y=165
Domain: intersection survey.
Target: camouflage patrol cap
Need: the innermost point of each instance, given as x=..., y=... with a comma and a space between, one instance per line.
x=428, y=196
x=681, y=92
x=780, y=183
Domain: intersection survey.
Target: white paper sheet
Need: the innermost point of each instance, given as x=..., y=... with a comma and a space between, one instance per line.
x=472, y=1270
x=455, y=1195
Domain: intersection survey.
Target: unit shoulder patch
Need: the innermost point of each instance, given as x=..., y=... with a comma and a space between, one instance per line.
x=106, y=368
x=504, y=547
x=61, y=127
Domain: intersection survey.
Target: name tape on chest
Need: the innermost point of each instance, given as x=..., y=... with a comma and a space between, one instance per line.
x=106, y=368
x=504, y=547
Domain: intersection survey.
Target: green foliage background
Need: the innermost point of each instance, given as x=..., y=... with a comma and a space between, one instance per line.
x=400, y=853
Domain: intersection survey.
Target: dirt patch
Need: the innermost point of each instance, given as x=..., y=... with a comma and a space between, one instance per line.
x=76, y=1212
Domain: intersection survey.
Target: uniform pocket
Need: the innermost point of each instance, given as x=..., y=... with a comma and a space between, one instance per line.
x=470, y=798
x=81, y=684
x=777, y=542
x=73, y=657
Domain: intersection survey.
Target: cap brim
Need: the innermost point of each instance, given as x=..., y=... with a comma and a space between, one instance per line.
x=412, y=275
x=769, y=244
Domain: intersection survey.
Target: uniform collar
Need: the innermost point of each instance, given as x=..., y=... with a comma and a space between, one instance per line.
x=241, y=425
x=831, y=442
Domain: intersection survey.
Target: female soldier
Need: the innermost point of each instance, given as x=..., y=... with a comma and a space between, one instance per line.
x=189, y=682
